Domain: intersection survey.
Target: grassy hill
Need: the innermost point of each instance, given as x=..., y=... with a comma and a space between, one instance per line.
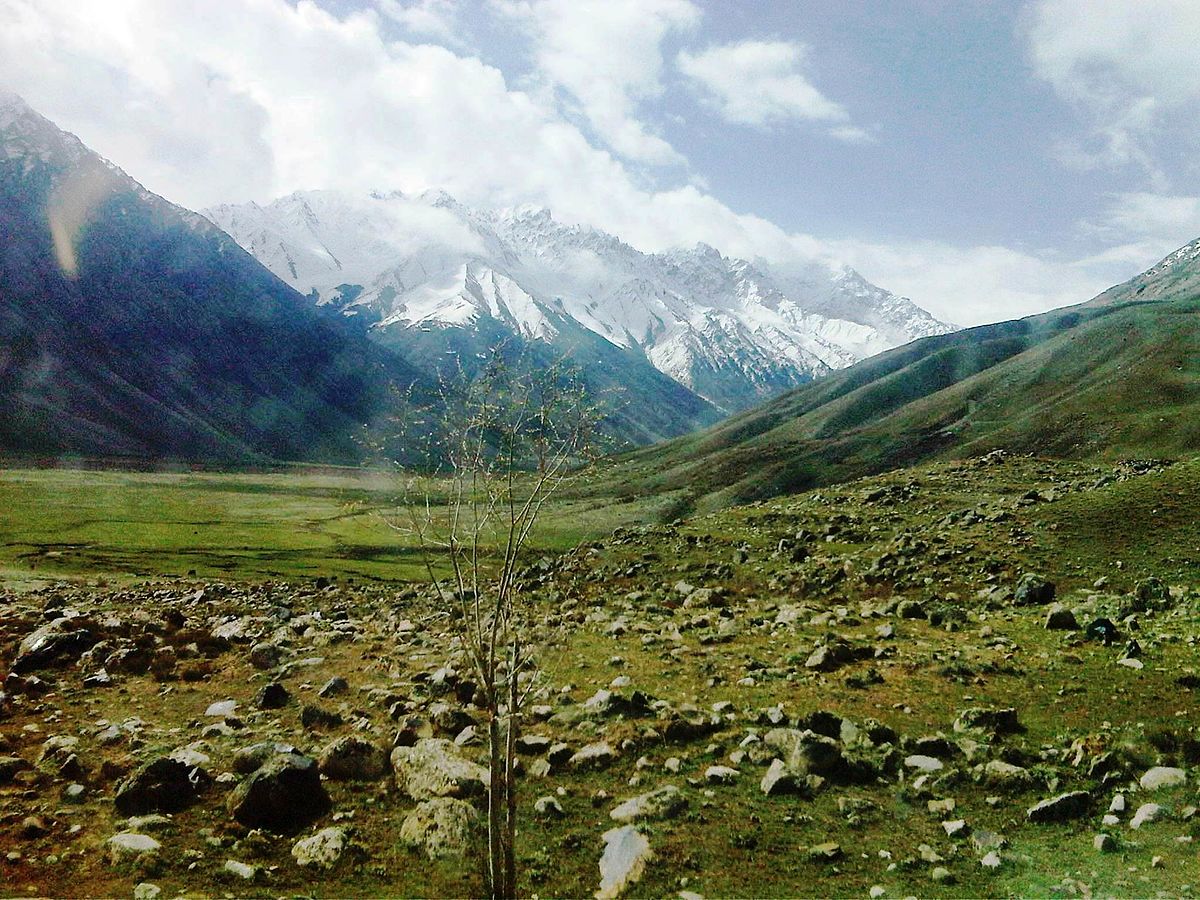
x=1117, y=376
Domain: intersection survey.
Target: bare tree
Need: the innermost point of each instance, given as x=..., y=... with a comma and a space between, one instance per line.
x=502, y=442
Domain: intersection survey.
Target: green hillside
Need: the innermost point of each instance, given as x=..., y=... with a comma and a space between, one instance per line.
x=1117, y=376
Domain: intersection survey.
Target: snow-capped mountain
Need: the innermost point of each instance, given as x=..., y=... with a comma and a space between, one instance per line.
x=731, y=330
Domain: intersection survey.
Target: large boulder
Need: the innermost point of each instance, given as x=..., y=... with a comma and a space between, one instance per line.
x=443, y=827
x=283, y=795
x=662, y=803
x=322, y=850
x=432, y=767
x=56, y=643
x=351, y=758
x=1063, y=808
x=626, y=852
x=1033, y=590
x=166, y=784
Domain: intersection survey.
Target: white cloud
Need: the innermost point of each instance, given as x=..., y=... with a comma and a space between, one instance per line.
x=1145, y=227
x=211, y=103
x=763, y=82
x=1128, y=65
x=427, y=18
x=607, y=55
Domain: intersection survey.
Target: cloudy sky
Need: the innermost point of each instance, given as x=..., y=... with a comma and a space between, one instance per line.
x=988, y=159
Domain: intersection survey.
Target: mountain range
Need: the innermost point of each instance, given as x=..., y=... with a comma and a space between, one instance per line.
x=732, y=331
x=1116, y=376
x=130, y=327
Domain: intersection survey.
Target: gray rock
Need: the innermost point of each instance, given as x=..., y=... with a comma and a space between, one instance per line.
x=626, y=853
x=664, y=802
x=1147, y=812
x=432, y=767
x=240, y=870
x=321, y=850
x=58, y=642
x=599, y=755
x=1060, y=618
x=128, y=849
x=1063, y=808
x=272, y=696
x=720, y=774
x=1162, y=777
x=1033, y=590
x=549, y=808
x=994, y=720
x=443, y=827
x=1007, y=777
x=923, y=763
x=352, y=758
x=284, y=795
x=166, y=784
x=779, y=780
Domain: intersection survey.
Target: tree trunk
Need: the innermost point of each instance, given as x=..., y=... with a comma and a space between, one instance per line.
x=510, y=778
x=496, y=805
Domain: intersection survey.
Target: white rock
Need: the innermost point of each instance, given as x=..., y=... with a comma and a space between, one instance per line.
x=923, y=763
x=322, y=850
x=1162, y=777
x=221, y=708
x=241, y=870
x=1147, y=812
x=626, y=852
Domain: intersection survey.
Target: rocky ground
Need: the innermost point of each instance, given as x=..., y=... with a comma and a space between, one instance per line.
x=936, y=682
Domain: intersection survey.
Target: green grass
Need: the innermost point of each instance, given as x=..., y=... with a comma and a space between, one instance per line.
x=78, y=523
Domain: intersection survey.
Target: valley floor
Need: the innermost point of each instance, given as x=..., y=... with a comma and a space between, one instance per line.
x=850, y=692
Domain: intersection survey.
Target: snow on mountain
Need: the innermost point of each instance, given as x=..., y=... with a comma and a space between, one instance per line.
x=734, y=331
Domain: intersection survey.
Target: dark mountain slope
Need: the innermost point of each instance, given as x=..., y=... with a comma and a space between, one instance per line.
x=1117, y=375
x=131, y=327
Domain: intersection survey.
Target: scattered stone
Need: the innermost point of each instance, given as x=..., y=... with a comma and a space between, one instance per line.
x=779, y=780
x=923, y=763
x=991, y=860
x=998, y=721
x=128, y=849
x=626, y=853
x=1060, y=618
x=352, y=758
x=1146, y=813
x=442, y=827
x=334, y=687
x=826, y=852
x=272, y=696
x=599, y=755
x=56, y=643
x=166, y=784
x=720, y=774
x=1105, y=843
x=240, y=870
x=283, y=795
x=1162, y=777
x=549, y=808
x=941, y=875
x=221, y=708
x=1063, y=808
x=432, y=767
x=1033, y=590
x=146, y=891
x=321, y=850
x=664, y=802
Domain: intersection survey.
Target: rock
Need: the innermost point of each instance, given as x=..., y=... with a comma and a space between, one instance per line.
x=599, y=755
x=910, y=609
x=1060, y=618
x=321, y=850
x=942, y=875
x=664, y=802
x=56, y=643
x=34, y=827
x=923, y=763
x=1102, y=630
x=779, y=780
x=720, y=774
x=827, y=852
x=334, y=687
x=1131, y=663
x=1152, y=590
x=312, y=716
x=1033, y=590
x=626, y=853
x=272, y=696
x=549, y=808
x=129, y=849
x=1105, y=843
x=266, y=655
x=1063, y=808
x=991, y=860
x=1007, y=777
x=221, y=708
x=146, y=891
x=283, y=795
x=442, y=827
x=10, y=766
x=433, y=768
x=240, y=870
x=166, y=784
x=1162, y=777
x=352, y=758
x=998, y=721
x=247, y=759
x=1147, y=812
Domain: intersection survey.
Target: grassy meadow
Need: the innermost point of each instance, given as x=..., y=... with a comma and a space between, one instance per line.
x=123, y=525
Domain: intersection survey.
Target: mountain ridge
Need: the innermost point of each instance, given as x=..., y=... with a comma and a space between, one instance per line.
x=733, y=331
